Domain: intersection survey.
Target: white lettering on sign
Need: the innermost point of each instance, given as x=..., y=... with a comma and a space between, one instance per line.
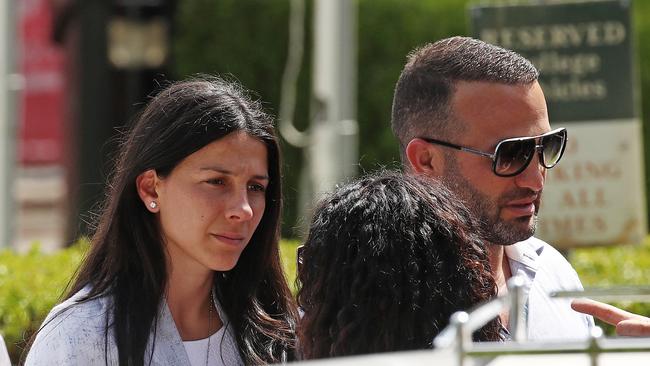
x=557, y=36
x=574, y=90
x=577, y=64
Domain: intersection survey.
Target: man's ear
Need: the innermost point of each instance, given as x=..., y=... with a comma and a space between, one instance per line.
x=146, y=184
x=424, y=158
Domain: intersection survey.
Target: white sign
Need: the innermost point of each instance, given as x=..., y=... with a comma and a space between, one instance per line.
x=595, y=194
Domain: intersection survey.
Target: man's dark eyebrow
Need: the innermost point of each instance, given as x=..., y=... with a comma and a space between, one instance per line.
x=228, y=172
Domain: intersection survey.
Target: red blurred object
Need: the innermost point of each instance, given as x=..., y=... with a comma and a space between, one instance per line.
x=42, y=101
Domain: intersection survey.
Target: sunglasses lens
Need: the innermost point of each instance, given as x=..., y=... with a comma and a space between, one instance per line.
x=553, y=147
x=513, y=156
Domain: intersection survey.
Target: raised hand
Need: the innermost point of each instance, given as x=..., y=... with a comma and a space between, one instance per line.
x=627, y=324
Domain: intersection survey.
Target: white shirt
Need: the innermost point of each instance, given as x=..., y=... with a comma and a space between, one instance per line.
x=4, y=355
x=545, y=270
x=198, y=350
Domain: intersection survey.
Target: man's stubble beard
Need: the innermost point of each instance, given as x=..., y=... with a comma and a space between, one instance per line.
x=486, y=210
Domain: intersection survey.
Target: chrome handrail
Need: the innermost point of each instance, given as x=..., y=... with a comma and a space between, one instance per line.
x=458, y=334
x=470, y=322
x=619, y=293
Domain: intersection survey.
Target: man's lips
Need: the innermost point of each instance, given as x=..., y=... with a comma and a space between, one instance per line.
x=523, y=207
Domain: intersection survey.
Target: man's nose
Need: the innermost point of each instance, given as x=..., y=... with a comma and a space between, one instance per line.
x=533, y=176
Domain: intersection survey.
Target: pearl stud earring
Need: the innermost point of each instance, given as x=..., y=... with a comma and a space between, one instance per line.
x=153, y=204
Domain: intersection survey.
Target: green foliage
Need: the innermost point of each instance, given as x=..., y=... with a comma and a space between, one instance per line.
x=615, y=266
x=288, y=256
x=30, y=285
x=388, y=31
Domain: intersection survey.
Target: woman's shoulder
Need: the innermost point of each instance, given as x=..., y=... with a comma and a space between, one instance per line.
x=74, y=332
x=79, y=311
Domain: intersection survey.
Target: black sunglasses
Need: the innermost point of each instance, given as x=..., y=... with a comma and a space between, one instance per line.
x=512, y=156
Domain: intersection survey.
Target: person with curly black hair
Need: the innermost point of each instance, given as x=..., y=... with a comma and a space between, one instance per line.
x=388, y=259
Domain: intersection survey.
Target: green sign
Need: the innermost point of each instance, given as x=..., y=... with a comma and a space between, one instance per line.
x=583, y=51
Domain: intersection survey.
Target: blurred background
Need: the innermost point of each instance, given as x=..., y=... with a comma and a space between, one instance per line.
x=73, y=74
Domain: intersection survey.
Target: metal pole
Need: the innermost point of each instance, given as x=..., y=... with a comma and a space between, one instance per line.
x=459, y=320
x=333, y=152
x=9, y=83
x=518, y=326
x=595, y=335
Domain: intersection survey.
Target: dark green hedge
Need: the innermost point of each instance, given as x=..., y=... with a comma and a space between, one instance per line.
x=615, y=266
x=30, y=285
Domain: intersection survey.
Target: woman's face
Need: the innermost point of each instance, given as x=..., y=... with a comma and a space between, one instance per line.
x=212, y=201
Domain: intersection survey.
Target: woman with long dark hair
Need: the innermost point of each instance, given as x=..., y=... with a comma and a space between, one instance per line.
x=184, y=267
x=389, y=258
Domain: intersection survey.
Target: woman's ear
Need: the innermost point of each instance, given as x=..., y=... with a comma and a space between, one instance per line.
x=146, y=184
x=424, y=158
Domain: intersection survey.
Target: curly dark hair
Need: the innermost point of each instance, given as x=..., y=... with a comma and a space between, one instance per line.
x=389, y=258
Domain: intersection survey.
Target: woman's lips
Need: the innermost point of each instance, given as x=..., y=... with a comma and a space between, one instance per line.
x=230, y=239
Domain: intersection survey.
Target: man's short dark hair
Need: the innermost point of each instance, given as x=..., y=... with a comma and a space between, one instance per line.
x=425, y=86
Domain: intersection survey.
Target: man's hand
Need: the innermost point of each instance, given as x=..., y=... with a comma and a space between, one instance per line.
x=627, y=324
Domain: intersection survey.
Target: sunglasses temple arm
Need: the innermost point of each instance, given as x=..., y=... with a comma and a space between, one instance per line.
x=461, y=148
x=477, y=152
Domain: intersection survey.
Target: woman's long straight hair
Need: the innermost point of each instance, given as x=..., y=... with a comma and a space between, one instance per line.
x=127, y=255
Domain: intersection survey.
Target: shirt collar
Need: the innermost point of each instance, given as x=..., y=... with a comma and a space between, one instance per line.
x=523, y=259
x=525, y=253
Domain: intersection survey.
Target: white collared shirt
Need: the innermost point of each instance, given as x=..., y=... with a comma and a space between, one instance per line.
x=545, y=270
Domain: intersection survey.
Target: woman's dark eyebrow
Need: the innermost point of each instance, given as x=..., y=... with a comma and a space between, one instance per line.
x=228, y=172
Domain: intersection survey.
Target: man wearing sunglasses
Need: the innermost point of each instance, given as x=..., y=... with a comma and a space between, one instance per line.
x=473, y=116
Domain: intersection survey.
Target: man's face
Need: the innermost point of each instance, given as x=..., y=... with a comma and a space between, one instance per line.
x=506, y=207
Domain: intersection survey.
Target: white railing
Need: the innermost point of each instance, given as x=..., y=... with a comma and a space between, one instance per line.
x=458, y=335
